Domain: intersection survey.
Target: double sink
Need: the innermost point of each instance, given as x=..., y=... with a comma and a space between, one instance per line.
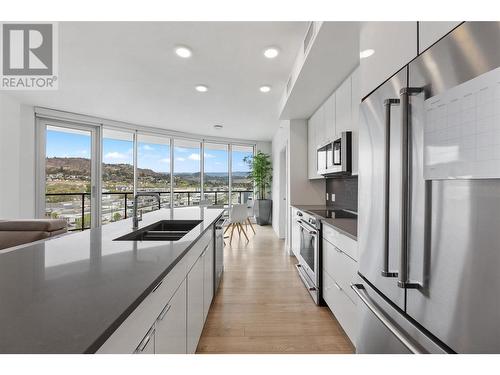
x=163, y=230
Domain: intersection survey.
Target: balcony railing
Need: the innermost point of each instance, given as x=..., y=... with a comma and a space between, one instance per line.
x=77, y=210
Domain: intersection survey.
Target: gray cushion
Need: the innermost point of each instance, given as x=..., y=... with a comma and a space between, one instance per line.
x=43, y=225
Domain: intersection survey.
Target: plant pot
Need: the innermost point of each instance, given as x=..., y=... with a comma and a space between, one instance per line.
x=263, y=210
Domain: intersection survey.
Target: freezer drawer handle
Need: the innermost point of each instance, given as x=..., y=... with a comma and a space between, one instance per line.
x=388, y=103
x=359, y=289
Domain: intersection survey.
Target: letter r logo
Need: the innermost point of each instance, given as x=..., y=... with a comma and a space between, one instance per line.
x=27, y=49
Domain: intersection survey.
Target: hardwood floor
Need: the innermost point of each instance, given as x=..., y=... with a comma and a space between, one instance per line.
x=263, y=307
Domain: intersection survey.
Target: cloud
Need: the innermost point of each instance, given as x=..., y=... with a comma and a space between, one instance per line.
x=166, y=160
x=83, y=152
x=181, y=149
x=180, y=159
x=208, y=156
x=194, y=157
x=148, y=148
x=115, y=156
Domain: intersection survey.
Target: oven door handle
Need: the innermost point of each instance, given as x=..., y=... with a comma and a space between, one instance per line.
x=304, y=279
x=311, y=232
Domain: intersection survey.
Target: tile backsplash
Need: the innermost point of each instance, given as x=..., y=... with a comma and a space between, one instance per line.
x=345, y=190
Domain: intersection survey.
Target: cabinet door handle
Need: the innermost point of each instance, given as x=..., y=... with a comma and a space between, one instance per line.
x=165, y=311
x=157, y=286
x=145, y=340
x=337, y=286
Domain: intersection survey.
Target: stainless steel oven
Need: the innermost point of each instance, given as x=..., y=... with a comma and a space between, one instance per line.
x=308, y=256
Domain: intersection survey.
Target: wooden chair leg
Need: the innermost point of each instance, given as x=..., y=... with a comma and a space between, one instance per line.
x=243, y=230
x=227, y=228
x=251, y=225
x=232, y=230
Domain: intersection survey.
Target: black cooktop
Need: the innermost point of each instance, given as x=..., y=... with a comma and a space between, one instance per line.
x=335, y=214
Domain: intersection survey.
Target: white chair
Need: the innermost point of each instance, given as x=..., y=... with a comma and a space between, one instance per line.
x=237, y=216
x=205, y=203
x=250, y=203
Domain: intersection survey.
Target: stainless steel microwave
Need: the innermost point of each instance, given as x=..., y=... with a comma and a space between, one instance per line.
x=335, y=157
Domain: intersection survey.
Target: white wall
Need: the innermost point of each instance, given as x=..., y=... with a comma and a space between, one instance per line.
x=301, y=190
x=17, y=170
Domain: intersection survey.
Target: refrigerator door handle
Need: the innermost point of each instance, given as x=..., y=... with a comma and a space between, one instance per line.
x=388, y=103
x=404, y=97
x=360, y=291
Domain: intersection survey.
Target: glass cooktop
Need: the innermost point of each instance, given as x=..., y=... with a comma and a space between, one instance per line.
x=335, y=214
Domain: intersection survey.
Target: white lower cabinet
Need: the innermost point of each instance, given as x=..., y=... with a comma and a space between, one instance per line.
x=295, y=233
x=341, y=306
x=195, y=305
x=339, y=271
x=170, y=330
x=208, y=280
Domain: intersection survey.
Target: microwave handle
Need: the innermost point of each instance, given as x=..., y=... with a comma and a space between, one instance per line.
x=388, y=103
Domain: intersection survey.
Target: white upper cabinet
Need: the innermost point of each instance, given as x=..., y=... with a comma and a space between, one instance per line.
x=311, y=154
x=314, y=138
x=355, y=102
x=394, y=45
x=431, y=31
x=319, y=121
x=329, y=118
x=343, y=107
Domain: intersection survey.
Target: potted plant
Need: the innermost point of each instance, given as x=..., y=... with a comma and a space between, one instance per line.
x=262, y=175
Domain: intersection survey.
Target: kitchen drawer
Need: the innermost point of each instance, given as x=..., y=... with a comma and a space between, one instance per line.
x=344, y=243
x=342, y=268
x=342, y=307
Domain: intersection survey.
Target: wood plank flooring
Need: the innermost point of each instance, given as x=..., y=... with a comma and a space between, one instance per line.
x=263, y=307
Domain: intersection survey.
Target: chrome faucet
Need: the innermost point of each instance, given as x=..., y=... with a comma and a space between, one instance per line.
x=135, y=219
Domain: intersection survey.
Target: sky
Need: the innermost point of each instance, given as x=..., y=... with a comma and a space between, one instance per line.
x=149, y=155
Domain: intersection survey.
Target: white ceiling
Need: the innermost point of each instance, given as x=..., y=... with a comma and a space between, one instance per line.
x=127, y=71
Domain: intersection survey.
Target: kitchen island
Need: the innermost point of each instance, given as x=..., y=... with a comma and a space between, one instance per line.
x=74, y=293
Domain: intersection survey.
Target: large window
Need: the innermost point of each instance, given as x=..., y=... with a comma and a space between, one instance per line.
x=242, y=183
x=187, y=173
x=68, y=175
x=91, y=172
x=117, y=175
x=216, y=173
x=153, y=169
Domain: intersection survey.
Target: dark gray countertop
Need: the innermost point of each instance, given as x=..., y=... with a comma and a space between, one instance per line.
x=68, y=294
x=347, y=226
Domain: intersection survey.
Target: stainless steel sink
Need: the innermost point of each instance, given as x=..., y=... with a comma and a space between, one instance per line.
x=164, y=230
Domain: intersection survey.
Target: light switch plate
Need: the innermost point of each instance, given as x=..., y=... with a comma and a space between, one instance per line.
x=326, y=196
x=333, y=197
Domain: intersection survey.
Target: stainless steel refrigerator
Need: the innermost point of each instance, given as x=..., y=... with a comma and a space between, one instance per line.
x=429, y=201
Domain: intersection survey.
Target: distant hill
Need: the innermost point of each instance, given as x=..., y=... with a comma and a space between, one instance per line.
x=81, y=167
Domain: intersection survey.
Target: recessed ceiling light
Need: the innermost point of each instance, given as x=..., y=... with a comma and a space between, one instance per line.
x=366, y=53
x=271, y=52
x=183, y=52
x=201, y=88
x=265, y=88
x=218, y=126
